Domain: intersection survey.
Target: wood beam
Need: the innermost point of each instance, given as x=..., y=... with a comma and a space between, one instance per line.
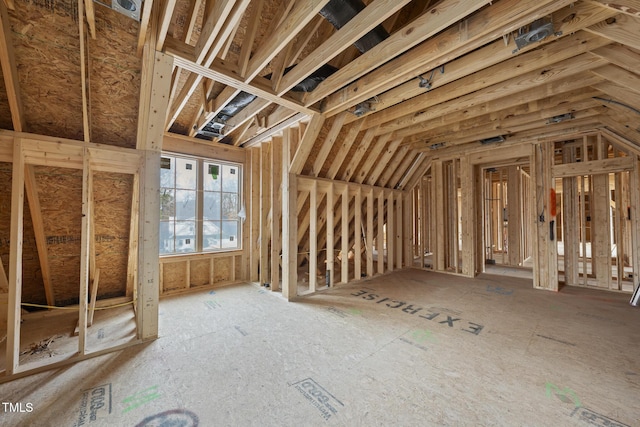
x=165, y=20
x=303, y=12
x=628, y=7
x=619, y=55
x=225, y=76
x=441, y=16
x=327, y=144
x=343, y=150
x=15, y=259
x=91, y=18
x=441, y=49
x=85, y=253
x=622, y=29
x=375, y=13
x=363, y=147
x=145, y=19
x=211, y=28
x=250, y=35
x=621, y=77
x=383, y=161
x=392, y=166
x=289, y=223
x=274, y=130
x=365, y=169
x=507, y=78
x=557, y=72
x=275, y=169
x=307, y=143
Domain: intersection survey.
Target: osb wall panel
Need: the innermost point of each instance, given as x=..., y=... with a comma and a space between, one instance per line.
x=5, y=112
x=114, y=76
x=32, y=285
x=199, y=271
x=60, y=193
x=238, y=266
x=112, y=217
x=47, y=52
x=174, y=276
x=222, y=269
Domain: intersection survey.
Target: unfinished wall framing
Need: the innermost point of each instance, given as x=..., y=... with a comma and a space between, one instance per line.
x=73, y=189
x=554, y=208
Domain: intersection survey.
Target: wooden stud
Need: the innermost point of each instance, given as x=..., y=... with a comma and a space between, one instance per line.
x=94, y=296
x=85, y=252
x=326, y=146
x=354, y=161
x=570, y=216
x=313, y=238
x=374, y=14
x=132, y=270
x=306, y=144
x=357, y=232
x=150, y=140
x=277, y=181
x=380, y=236
x=408, y=231
x=83, y=70
x=344, y=236
x=635, y=223
x=329, y=228
x=369, y=241
x=289, y=223
x=398, y=228
x=302, y=13
x=390, y=237
x=145, y=19
x=254, y=218
x=467, y=190
x=15, y=260
x=265, y=207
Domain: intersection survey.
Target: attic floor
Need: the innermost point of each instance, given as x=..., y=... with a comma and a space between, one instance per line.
x=408, y=348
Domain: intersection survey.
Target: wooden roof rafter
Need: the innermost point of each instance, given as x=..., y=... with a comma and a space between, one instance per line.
x=497, y=51
x=374, y=14
x=441, y=49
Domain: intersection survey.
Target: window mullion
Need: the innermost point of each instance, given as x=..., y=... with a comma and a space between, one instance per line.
x=199, y=205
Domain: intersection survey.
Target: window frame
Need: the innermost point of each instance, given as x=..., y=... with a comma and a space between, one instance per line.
x=199, y=217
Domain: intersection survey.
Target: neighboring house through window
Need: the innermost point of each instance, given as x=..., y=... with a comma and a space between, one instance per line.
x=199, y=205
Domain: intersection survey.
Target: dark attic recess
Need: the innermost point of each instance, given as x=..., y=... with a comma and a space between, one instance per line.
x=338, y=13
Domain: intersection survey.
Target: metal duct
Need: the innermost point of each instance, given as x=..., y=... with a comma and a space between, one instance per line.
x=339, y=12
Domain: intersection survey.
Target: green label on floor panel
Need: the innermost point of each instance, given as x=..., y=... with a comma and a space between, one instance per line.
x=140, y=398
x=425, y=313
x=95, y=404
x=318, y=396
x=566, y=394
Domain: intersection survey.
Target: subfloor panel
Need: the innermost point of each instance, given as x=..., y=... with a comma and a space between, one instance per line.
x=409, y=348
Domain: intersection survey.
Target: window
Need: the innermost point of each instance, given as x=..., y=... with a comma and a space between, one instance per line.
x=199, y=205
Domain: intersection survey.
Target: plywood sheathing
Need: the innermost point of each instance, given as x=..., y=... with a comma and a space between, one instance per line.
x=222, y=270
x=32, y=285
x=199, y=272
x=114, y=74
x=173, y=276
x=112, y=213
x=60, y=193
x=47, y=51
x=5, y=111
